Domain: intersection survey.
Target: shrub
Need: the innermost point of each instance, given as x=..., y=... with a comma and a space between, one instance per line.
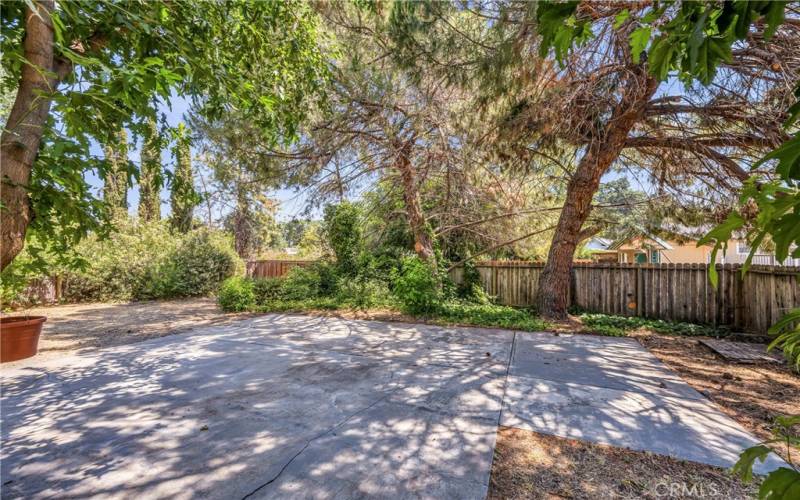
x=328, y=277
x=236, y=294
x=470, y=287
x=301, y=283
x=362, y=293
x=143, y=261
x=267, y=290
x=342, y=232
x=416, y=286
x=202, y=260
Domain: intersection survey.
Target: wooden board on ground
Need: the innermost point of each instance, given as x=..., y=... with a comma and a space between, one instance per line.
x=741, y=352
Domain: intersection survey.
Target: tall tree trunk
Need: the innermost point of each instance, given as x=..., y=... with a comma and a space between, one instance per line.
x=242, y=230
x=423, y=240
x=20, y=140
x=553, y=294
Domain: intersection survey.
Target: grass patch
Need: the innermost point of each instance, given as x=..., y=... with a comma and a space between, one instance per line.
x=619, y=326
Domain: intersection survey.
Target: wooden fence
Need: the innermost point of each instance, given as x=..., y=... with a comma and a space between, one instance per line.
x=273, y=268
x=675, y=292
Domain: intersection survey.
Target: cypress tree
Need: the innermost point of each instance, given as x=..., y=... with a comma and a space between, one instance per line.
x=183, y=197
x=150, y=177
x=115, y=180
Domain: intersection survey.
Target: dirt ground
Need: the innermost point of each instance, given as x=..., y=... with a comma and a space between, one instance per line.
x=531, y=465
x=76, y=327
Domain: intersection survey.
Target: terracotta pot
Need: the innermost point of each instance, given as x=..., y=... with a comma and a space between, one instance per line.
x=19, y=337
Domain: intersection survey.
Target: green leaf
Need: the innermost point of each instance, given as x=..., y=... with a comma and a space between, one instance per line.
x=661, y=56
x=781, y=484
x=638, y=40
x=620, y=18
x=743, y=468
x=774, y=17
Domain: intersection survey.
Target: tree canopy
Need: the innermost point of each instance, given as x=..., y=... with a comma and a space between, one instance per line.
x=83, y=70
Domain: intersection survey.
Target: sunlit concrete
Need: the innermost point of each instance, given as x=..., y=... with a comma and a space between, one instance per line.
x=291, y=406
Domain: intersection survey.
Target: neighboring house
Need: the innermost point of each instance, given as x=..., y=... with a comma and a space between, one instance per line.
x=642, y=247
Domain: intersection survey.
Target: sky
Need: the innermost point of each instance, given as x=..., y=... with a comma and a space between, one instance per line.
x=292, y=203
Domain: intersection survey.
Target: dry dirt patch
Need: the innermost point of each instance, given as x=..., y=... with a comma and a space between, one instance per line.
x=532, y=465
x=96, y=325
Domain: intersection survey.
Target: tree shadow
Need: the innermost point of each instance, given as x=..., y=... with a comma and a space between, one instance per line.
x=257, y=408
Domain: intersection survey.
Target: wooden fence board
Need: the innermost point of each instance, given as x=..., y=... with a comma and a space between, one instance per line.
x=674, y=292
x=273, y=268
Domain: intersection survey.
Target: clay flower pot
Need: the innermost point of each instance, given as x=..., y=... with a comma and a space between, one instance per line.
x=19, y=337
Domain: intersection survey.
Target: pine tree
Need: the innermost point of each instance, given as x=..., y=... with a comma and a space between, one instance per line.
x=183, y=197
x=115, y=186
x=150, y=178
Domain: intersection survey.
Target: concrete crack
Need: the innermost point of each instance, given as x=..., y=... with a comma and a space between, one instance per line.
x=318, y=436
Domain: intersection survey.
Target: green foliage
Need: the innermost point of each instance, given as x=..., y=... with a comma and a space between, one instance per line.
x=151, y=175
x=115, y=179
x=260, y=58
x=363, y=293
x=202, y=259
x=693, y=39
x=183, y=197
x=236, y=294
x=342, y=232
x=470, y=288
x=617, y=326
x=489, y=315
x=147, y=261
x=787, y=337
x=267, y=290
x=301, y=283
x=784, y=482
x=416, y=286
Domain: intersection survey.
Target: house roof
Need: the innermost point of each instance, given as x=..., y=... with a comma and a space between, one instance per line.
x=598, y=243
x=635, y=233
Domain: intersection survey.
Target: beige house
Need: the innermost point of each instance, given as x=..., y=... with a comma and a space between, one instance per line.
x=643, y=248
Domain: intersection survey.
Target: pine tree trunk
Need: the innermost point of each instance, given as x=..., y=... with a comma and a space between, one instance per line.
x=423, y=241
x=242, y=233
x=20, y=140
x=554, y=282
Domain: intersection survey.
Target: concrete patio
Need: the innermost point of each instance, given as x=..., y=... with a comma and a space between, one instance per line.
x=289, y=406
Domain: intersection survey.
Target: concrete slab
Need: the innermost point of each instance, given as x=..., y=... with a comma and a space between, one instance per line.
x=612, y=391
x=291, y=406
x=220, y=411
x=610, y=362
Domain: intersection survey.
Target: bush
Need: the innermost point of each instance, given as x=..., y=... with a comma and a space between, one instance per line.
x=301, y=283
x=236, y=294
x=202, y=260
x=416, y=286
x=363, y=293
x=144, y=261
x=328, y=277
x=342, y=232
x=470, y=288
x=267, y=290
